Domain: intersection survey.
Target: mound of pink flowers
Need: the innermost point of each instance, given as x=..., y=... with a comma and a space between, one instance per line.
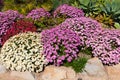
x=60, y=45
x=105, y=44
x=86, y=28
x=69, y=11
x=38, y=13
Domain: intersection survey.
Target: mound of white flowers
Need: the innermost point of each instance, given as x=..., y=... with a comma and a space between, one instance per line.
x=23, y=52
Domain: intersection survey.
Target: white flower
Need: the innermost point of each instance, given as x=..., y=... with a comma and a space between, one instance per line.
x=23, y=52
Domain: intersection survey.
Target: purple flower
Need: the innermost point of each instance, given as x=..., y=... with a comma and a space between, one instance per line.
x=105, y=43
x=60, y=45
x=38, y=13
x=68, y=11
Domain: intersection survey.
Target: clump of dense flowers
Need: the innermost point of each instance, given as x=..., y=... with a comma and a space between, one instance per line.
x=106, y=46
x=36, y=14
x=23, y=52
x=18, y=27
x=86, y=28
x=6, y=19
x=105, y=43
x=60, y=45
x=68, y=11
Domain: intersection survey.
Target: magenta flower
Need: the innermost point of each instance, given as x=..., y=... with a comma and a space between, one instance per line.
x=38, y=13
x=60, y=45
x=68, y=11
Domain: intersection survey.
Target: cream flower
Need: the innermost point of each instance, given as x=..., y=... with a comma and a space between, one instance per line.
x=23, y=52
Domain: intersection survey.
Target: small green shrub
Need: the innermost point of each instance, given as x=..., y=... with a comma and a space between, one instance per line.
x=77, y=64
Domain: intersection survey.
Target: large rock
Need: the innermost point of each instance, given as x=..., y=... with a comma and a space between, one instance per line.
x=113, y=72
x=86, y=77
x=25, y=75
x=6, y=76
x=2, y=69
x=94, y=69
x=53, y=73
x=70, y=73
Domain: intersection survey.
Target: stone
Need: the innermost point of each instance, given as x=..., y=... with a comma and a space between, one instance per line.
x=25, y=75
x=113, y=72
x=53, y=73
x=70, y=73
x=94, y=68
x=2, y=69
x=86, y=77
x=6, y=76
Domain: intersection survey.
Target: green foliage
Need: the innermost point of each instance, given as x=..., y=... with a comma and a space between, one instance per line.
x=87, y=51
x=104, y=11
x=23, y=6
x=112, y=9
x=44, y=23
x=57, y=3
x=61, y=50
x=117, y=25
x=90, y=7
x=77, y=64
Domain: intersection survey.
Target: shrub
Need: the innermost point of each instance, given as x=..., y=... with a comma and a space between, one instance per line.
x=36, y=14
x=77, y=64
x=23, y=52
x=68, y=11
x=18, y=27
x=60, y=45
x=6, y=19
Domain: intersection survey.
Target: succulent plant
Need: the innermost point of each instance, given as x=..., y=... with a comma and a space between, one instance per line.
x=23, y=52
x=112, y=10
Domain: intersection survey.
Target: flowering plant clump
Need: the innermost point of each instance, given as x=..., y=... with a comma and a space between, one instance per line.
x=6, y=19
x=68, y=11
x=60, y=45
x=18, y=27
x=86, y=28
x=104, y=43
x=23, y=52
x=106, y=46
x=36, y=14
